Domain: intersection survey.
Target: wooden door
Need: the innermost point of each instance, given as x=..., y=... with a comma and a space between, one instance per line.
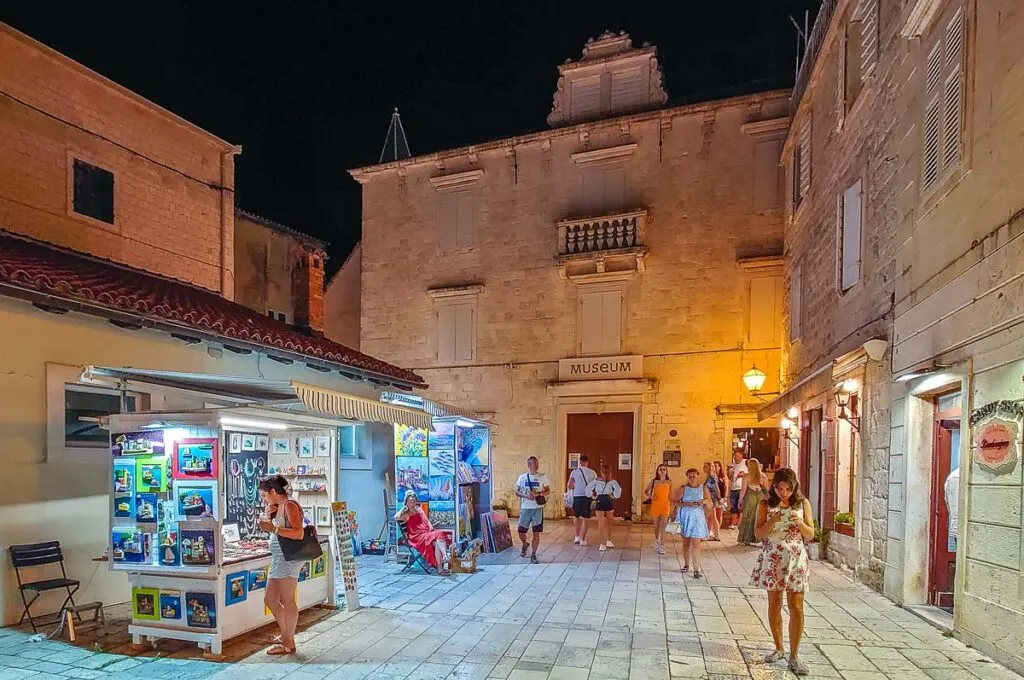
x=602, y=437
x=941, y=560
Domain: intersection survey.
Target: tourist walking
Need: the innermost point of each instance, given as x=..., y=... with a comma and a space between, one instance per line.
x=723, y=488
x=750, y=498
x=715, y=509
x=784, y=523
x=738, y=470
x=693, y=524
x=282, y=517
x=605, y=489
x=658, y=494
x=532, y=489
x=582, y=502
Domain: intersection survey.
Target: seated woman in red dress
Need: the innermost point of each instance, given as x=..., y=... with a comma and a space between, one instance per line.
x=430, y=542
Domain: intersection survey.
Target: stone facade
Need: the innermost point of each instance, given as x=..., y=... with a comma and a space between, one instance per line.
x=173, y=194
x=341, y=299
x=279, y=271
x=695, y=265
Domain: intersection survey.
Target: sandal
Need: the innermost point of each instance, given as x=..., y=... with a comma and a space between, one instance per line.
x=685, y=569
x=774, y=655
x=522, y=553
x=799, y=667
x=697, y=574
x=280, y=650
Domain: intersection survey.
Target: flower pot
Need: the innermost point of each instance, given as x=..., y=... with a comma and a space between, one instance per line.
x=845, y=529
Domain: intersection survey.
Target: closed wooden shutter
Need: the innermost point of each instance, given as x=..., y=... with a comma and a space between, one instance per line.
x=447, y=221
x=867, y=14
x=796, y=302
x=611, y=322
x=804, y=151
x=930, y=152
x=585, y=97
x=766, y=175
x=828, y=455
x=464, y=332
x=953, y=98
x=601, y=322
x=446, y=334
x=764, y=312
x=614, y=190
x=465, y=218
x=851, y=237
x=628, y=89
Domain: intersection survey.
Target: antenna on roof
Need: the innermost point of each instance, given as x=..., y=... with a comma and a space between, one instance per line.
x=396, y=147
x=801, y=39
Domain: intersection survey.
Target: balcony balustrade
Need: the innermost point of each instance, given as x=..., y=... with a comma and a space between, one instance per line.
x=606, y=244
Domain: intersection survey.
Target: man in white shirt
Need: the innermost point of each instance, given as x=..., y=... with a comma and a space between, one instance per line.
x=530, y=486
x=739, y=471
x=579, y=479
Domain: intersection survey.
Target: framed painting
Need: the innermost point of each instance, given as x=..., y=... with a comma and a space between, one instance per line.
x=234, y=442
x=151, y=474
x=201, y=610
x=281, y=446
x=195, y=500
x=195, y=459
x=170, y=604
x=145, y=604
x=235, y=587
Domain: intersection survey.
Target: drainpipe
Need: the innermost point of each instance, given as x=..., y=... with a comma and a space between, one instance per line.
x=227, y=222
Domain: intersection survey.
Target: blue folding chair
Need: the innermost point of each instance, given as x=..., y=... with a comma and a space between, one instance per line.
x=416, y=558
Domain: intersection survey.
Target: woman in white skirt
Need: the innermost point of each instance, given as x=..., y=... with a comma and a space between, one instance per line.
x=605, y=489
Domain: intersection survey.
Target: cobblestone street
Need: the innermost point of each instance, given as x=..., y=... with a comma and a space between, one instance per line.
x=625, y=613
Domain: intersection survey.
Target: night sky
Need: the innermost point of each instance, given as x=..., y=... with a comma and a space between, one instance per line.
x=308, y=92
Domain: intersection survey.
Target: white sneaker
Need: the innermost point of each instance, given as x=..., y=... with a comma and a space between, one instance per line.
x=583, y=543
x=602, y=548
x=576, y=540
x=609, y=543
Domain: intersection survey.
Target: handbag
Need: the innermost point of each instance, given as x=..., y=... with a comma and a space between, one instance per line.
x=301, y=549
x=539, y=499
x=673, y=528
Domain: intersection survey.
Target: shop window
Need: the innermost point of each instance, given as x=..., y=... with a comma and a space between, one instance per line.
x=796, y=302
x=456, y=218
x=600, y=320
x=83, y=408
x=604, y=191
x=850, y=221
x=944, y=100
x=92, y=191
x=348, y=440
x=456, y=332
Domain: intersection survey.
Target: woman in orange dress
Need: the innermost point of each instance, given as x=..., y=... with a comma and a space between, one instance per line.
x=430, y=542
x=658, y=493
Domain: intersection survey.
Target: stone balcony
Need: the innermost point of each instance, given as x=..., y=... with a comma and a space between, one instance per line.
x=602, y=247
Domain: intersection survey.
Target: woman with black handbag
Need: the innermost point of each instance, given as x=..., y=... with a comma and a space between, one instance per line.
x=283, y=521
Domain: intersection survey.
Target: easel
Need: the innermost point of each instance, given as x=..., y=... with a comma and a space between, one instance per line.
x=392, y=550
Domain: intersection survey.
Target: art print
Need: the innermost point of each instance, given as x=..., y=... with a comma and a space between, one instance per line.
x=170, y=604
x=475, y=445
x=195, y=459
x=442, y=488
x=411, y=475
x=236, y=587
x=241, y=479
x=234, y=442
x=145, y=507
x=322, y=447
x=281, y=446
x=304, y=571
x=501, y=533
x=318, y=567
x=442, y=514
x=442, y=436
x=258, y=578
x=410, y=441
x=151, y=473
x=481, y=473
x=168, y=549
x=145, y=443
x=248, y=442
x=201, y=610
x=306, y=447
x=323, y=516
x=262, y=442
x=145, y=604
x=124, y=476
x=442, y=461
x=198, y=547
x=195, y=500
x=126, y=545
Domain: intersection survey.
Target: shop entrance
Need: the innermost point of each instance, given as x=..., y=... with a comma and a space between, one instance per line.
x=945, y=487
x=604, y=438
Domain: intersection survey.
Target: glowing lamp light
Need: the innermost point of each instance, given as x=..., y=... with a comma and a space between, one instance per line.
x=793, y=413
x=786, y=424
x=259, y=424
x=754, y=379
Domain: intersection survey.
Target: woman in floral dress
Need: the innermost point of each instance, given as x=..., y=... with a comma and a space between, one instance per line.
x=784, y=523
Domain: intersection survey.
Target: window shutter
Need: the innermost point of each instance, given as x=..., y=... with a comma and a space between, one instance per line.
x=930, y=161
x=585, y=97
x=933, y=68
x=614, y=190
x=868, y=16
x=611, y=322
x=447, y=220
x=796, y=302
x=593, y=192
x=465, y=219
x=763, y=312
x=464, y=332
x=952, y=105
x=591, y=324
x=805, y=156
x=850, y=260
x=766, y=175
x=446, y=325
x=628, y=88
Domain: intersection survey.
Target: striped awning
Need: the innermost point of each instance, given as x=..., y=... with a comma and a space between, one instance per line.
x=351, y=407
x=435, y=408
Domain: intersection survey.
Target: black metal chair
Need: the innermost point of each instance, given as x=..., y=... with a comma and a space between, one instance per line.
x=33, y=556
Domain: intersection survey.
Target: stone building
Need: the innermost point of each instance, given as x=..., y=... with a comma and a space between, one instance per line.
x=279, y=271
x=912, y=113
x=599, y=287
x=116, y=249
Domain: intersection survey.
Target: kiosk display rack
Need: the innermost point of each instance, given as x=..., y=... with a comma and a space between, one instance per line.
x=183, y=526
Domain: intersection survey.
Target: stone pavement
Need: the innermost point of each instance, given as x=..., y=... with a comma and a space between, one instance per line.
x=625, y=613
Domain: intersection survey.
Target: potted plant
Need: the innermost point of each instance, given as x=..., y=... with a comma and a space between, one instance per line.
x=817, y=547
x=845, y=522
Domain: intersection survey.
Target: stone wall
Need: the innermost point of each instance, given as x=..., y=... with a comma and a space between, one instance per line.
x=173, y=183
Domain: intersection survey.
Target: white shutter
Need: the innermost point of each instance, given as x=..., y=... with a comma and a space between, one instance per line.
x=585, y=97
x=593, y=192
x=614, y=190
x=805, y=156
x=796, y=302
x=465, y=218
x=628, y=89
x=447, y=221
x=446, y=325
x=591, y=323
x=930, y=153
x=464, y=332
x=933, y=68
x=850, y=260
x=611, y=322
x=766, y=175
x=762, y=312
x=868, y=16
x=953, y=97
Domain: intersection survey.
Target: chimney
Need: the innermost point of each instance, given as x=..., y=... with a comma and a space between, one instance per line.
x=308, y=291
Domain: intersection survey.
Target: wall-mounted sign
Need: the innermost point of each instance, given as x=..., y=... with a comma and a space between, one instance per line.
x=625, y=461
x=601, y=368
x=996, y=429
x=574, y=461
x=671, y=458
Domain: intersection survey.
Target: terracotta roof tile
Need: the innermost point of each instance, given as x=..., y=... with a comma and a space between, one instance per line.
x=43, y=268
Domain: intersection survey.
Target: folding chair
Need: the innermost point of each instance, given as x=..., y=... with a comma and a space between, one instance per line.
x=35, y=555
x=416, y=558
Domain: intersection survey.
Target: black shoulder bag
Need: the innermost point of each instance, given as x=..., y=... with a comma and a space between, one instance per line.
x=301, y=549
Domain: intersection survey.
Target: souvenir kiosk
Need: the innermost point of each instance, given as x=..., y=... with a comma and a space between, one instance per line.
x=449, y=469
x=184, y=509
